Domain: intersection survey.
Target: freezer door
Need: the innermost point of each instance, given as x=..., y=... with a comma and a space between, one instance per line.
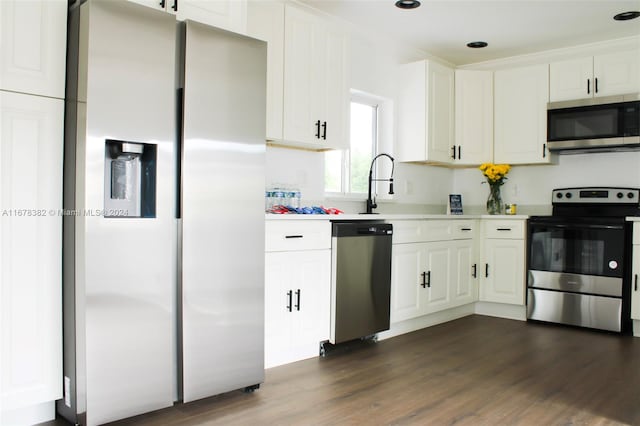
x=120, y=272
x=222, y=306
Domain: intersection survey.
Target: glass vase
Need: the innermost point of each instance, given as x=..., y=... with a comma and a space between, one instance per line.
x=494, y=202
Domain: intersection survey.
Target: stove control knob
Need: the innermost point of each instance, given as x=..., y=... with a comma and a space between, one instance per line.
x=559, y=195
x=630, y=195
x=620, y=195
x=569, y=195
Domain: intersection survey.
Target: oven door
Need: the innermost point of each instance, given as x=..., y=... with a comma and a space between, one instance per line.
x=583, y=255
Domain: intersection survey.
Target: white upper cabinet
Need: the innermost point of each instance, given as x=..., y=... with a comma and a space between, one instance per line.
x=307, y=76
x=33, y=46
x=426, y=113
x=603, y=75
x=316, y=92
x=521, y=96
x=227, y=14
x=265, y=21
x=473, y=117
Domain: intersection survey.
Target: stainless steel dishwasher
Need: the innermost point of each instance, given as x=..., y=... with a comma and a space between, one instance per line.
x=360, y=279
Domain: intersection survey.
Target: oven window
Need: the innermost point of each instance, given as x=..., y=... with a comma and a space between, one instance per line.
x=576, y=250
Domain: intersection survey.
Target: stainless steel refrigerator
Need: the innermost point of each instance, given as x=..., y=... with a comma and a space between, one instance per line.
x=164, y=230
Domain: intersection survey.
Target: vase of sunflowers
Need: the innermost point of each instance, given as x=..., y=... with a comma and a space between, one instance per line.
x=495, y=175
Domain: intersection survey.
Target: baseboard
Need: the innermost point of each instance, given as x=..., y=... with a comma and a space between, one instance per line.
x=501, y=310
x=636, y=328
x=29, y=415
x=424, y=321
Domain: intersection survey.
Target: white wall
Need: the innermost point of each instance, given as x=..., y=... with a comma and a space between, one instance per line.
x=373, y=64
x=532, y=185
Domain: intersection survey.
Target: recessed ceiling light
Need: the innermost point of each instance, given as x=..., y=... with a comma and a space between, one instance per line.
x=407, y=4
x=625, y=16
x=477, y=44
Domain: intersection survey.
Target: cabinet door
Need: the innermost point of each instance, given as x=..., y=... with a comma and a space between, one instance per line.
x=408, y=264
x=305, y=43
x=521, y=97
x=635, y=284
x=440, y=124
x=31, y=148
x=473, y=117
x=502, y=271
x=265, y=21
x=464, y=273
x=412, y=112
x=34, y=43
x=572, y=79
x=311, y=301
x=336, y=90
x=438, y=268
x=227, y=14
x=617, y=73
x=277, y=313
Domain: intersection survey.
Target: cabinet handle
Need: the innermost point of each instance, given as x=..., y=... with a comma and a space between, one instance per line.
x=298, y=296
x=293, y=236
x=474, y=267
x=424, y=280
x=324, y=130
x=486, y=270
x=175, y=5
x=588, y=86
x=453, y=152
x=503, y=229
x=596, y=85
x=318, y=129
x=465, y=229
x=162, y=3
x=290, y=296
x=636, y=285
x=429, y=279
x=544, y=150
x=459, y=152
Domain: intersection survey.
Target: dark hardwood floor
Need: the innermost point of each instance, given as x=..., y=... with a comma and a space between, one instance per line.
x=473, y=371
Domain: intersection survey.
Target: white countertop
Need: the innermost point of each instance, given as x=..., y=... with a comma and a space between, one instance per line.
x=388, y=216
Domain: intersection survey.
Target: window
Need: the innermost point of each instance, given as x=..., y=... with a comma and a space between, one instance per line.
x=347, y=171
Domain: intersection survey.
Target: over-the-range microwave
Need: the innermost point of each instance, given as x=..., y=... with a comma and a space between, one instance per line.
x=609, y=123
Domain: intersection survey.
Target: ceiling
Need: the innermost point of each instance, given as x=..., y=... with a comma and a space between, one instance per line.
x=510, y=27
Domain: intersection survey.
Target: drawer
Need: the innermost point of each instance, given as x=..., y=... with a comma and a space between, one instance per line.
x=407, y=231
x=438, y=230
x=464, y=229
x=294, y=235
x=420, y=231
x=504, y=229
x=636, y=233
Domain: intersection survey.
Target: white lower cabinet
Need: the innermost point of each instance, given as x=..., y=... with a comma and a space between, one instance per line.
x=31, y=152
x=635, y=283
x=432, y=276
x=297, y=290
x=502, y=265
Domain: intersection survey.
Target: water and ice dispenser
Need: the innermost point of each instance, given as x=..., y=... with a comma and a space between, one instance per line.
x=129, y=179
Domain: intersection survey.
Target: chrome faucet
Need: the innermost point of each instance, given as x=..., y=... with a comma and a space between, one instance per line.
x=371, y=203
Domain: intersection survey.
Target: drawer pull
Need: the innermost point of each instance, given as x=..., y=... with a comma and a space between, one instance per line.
x=465, y=229
x=293, y=236
x=503, y=229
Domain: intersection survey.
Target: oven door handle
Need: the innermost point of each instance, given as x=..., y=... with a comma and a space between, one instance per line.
x=577, y=226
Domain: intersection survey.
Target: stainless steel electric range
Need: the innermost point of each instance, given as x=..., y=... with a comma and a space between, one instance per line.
x=579, y=259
